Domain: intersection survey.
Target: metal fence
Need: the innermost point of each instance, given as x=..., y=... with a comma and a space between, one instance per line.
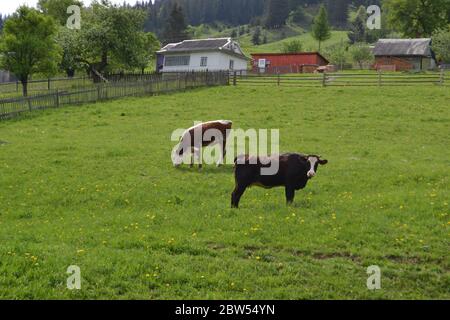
x=176, y=82
x=339, y=79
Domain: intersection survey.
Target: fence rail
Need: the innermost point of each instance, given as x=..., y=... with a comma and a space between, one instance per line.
x=161, y=84
x=45, y=84
x=339, y=79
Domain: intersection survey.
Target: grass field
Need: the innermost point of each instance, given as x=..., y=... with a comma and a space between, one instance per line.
x=94, y=186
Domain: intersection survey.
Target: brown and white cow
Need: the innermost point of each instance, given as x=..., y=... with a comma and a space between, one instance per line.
x=202, y=135
x=294, y=172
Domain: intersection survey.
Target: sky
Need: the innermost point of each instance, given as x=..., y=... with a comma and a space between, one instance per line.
x=9, y=6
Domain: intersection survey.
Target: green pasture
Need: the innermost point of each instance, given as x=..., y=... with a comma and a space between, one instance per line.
x=94, y=186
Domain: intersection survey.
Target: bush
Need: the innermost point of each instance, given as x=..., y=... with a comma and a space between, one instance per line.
x=441, y=44
x=361, y=53
x=293, y=46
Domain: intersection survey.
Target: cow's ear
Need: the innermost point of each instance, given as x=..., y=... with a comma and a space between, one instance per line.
x=323, y=162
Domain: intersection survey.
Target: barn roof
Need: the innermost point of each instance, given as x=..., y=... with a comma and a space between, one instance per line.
x=211, y=44
x=403, y=47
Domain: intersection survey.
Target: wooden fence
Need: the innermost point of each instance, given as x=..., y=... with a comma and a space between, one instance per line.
x=139, y=76
x=339, y=79
x=46, y=85
x=174, y=82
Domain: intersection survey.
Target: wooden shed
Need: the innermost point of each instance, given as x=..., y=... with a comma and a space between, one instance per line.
x=404, y=54
x=302, y=62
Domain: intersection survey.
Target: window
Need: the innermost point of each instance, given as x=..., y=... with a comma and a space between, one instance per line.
x=203, y=61
x=171, y=61
x=231, y=64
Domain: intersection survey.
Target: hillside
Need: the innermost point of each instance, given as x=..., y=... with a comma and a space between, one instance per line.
x=275, y=38
x=309, y=44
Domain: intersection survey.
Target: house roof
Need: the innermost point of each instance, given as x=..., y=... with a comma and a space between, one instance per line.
x=291, y=54
x=212, y=44
x=403, y=47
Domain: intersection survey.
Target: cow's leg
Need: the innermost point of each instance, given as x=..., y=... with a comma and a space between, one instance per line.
x=192, y=158
x=222, y=152
x=236, y=195
x=290, y=194
x=197, y=156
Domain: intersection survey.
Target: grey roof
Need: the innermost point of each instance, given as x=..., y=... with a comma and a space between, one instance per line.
x=200, y=44
x=403, y=47
x=213, y=44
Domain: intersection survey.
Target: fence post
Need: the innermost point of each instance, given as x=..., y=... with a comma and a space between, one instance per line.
x=98, y=92
x=234, y=78
x=48, y=84
x=442, y=77
x=29, y=104
x=17, y=86
x=380, y=82
x=57, y=98
x=278, y=78
x=324, y=79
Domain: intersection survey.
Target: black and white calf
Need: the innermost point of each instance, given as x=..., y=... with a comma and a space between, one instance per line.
x=293, y=174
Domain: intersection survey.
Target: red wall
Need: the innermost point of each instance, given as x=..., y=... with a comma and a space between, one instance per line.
x=400, y=64
x=293, y=61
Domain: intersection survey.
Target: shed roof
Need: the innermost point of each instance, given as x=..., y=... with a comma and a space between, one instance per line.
x=403, y=47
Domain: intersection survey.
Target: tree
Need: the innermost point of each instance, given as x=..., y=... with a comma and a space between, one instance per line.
x=293, y=46
x=321, y=28
x=110, y=38
x=256, y=39
x=57, y=9
x=278, y=12
x=361, y=53
x=441, y=44
x=67, y=39
x=417, y=18
x=297, y=15
x=27, y=45
x=337, y=54
x=147, y=46
x=176, y=26
x=357, y=31
x=338, y=12
x=233, y=34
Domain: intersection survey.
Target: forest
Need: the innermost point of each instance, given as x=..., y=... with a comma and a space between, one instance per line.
x=240, y=12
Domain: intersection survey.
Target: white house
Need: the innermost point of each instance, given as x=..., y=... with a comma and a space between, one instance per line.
x=201, y=55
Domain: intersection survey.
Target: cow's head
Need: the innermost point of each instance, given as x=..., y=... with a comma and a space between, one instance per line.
x=313, y=162
x=177, y=156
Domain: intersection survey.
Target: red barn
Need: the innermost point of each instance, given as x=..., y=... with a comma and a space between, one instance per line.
x=302, y=62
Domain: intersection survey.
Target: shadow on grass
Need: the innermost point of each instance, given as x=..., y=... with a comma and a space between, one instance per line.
x=207, y=169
